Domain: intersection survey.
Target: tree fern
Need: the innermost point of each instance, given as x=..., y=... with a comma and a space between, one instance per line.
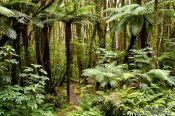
x=133, y=11
x=106, y=73
x=128, y=10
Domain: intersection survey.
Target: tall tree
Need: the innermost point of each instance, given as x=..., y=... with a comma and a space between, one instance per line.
x=68, y=15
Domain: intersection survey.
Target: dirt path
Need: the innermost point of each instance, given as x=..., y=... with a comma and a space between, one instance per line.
x=73, y=96
x=73, y=101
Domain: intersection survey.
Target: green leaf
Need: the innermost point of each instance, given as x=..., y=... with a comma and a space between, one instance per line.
x=137, y=24
x=160, y=74
x=6, y=12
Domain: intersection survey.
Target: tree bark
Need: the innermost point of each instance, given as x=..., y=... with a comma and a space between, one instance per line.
x=131, y=46
x=26, y=46
x=43, y=52
x=15, y=70
x=143, y=35
x=90, y=52
x=46, y=54
x=68, y=56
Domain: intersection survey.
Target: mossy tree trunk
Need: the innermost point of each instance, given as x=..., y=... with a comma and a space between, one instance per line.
x=68, y=37
x=15, y=69
x=26, y=45
x=43, y=52
x=155, y=32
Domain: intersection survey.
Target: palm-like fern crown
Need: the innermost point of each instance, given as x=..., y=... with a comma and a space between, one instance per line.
x=134, y=15
x=70, y=12
x=8, y=14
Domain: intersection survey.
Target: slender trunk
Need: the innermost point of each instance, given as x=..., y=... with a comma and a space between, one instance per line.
x=90, y=60
x=101, y=29
x=112, y=33
x=131, y=46
x=38, y=46
x=26, y=46
x=155, y=32
x=155, y=28
x=68, y=56
x=124, y=33
x=79, y=52
x=112, y=36
x=43, y=52
x=46, y=54
x=15, y=70
x=143, y=35
x=101, y=24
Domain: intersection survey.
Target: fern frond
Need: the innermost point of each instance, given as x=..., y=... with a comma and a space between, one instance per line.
x=171, y=104
x=6, y=12
x=167, y=12
x=123, y=11
x=137, y=24
x=90, y=72
x=17, y=2
x=6, y=30
x=121, y=25
x=163, y=75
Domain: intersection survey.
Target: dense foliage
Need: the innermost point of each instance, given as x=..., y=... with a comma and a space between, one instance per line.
x=27, y=98
x=87, y=57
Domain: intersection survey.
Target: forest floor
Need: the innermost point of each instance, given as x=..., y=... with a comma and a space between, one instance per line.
x=73, y=100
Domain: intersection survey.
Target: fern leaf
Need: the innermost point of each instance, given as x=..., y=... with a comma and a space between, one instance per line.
x=6, y=12
x=160, y=74
x=11, y=33
x=137, y=25
x=90, y=72
x=123, y=11
x=121, y=25
x=171, y=104
x=6, y=30
x=126, y=76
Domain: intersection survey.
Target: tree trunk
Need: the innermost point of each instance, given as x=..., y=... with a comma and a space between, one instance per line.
x=155, y=27
x=101, y=24
x=38, y=46
x=131, y=45
x=43, y=52
x=26, y=46
x=46, y=54
x=143, y=35
x=68, y=33
x=155, y=33
x=90, y=59
x=15, y=70
x=79, y=51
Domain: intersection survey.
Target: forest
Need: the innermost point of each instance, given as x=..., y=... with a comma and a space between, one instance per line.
x=87, y=57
